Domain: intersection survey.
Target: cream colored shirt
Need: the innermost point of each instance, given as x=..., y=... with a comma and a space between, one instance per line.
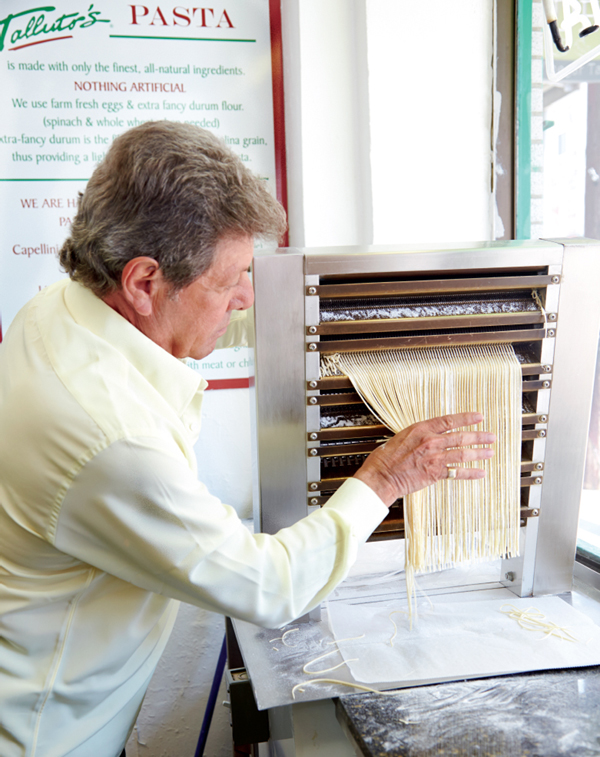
x=103, y=523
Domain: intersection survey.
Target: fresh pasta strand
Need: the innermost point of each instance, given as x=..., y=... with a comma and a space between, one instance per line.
x=284, y=642
x=533, y=620
x=299, y=686
x=452, y=521
x=393, y=636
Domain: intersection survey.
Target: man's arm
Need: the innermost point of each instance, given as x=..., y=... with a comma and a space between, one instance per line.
x=138, y=512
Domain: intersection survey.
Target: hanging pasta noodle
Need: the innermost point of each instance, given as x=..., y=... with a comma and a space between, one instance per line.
x=454, y=520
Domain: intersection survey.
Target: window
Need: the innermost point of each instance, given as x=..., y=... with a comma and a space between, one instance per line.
x=571, y=207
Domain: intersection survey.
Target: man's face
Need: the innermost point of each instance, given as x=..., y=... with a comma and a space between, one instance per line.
x=199, y=314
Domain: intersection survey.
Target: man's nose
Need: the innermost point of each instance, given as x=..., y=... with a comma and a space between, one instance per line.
x=245, y=295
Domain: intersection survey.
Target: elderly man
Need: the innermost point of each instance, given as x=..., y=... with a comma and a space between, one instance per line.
x=103, y=523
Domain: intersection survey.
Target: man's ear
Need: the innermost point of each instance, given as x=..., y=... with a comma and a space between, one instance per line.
x=141, y=283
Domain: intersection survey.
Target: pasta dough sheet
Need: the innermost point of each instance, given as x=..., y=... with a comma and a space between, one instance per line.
x=459, y=639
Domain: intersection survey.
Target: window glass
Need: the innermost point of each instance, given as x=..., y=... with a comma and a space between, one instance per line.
x=571, y=207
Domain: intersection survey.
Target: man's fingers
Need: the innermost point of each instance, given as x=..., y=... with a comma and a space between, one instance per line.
x=457, y=456
x=466, y=438
x=449, y=422
x=420, y=455
x=466, y=473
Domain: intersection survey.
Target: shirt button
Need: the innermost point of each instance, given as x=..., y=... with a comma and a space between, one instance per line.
x=194, y=427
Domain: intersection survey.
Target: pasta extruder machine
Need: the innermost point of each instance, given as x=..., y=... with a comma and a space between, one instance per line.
x=313, y=432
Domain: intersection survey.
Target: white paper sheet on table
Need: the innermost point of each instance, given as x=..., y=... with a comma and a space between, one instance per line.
x=452, y=640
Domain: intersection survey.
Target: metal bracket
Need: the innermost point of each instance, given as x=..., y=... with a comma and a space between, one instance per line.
x=249, y=725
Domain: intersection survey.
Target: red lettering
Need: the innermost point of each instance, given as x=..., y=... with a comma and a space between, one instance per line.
x=203, y=12
x=134, y=12
x=160, y=15
x=225, y=17
x=181, y=15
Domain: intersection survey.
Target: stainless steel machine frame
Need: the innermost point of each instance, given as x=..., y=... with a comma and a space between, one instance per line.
x=288, y=344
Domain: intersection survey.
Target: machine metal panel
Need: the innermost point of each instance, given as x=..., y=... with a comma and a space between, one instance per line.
x=568, y=416
x=280, y=394
x=374, y=259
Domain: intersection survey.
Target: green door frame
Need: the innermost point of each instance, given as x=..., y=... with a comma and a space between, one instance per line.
x=523, y=120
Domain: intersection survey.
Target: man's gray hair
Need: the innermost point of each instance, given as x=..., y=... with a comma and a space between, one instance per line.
x=168, y=191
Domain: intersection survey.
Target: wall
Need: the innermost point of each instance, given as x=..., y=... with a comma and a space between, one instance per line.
x=389, y=113
x=388, y=119
x=431, y=116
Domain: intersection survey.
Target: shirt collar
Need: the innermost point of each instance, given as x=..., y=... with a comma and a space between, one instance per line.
x=172, y=378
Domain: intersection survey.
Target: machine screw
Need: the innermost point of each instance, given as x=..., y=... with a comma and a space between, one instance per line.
x=551, y=332
x=547, y=368
x=312, y=329
x=546, y=384
x=314, y=436
x=313, y=400
x=539, y=466
x=543, y=419
x=314, y=501
x=312, y=290
x=312, y=346
x=555, y=279
x=551, y=316
x=537, y=480
x=314, y=451
x=313, y=384
x=541, y=433
x=314, y=486
x=510, y=576
x=535, y=512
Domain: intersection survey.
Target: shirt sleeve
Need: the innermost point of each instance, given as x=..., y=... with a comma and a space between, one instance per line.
x=137, y=512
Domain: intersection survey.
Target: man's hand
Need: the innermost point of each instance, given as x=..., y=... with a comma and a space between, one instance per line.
x=420, y=455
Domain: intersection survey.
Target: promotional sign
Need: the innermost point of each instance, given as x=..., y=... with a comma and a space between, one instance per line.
x=74, y=75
